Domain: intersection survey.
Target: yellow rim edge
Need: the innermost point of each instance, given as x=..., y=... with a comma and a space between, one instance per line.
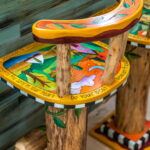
x=53, y=98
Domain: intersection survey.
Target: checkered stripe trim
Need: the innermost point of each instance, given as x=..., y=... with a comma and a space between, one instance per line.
x=121, y=139
x=56, y=105
x=139, y=45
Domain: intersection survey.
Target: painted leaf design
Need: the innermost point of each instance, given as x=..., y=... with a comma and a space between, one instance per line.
x=132, y=56
x=58, y=25
x=92, y=46
x=59, y=122
x=77, y=26
x=78, y=112
x=98, y=59
x=55, y=114
x=135, y=29
x=77, y=67
x=120, y=15
x=126, y=5
x=42, y=128
x=23, y=76
x=46, y=48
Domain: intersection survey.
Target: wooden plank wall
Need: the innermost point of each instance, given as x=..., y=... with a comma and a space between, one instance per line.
x=18, y=114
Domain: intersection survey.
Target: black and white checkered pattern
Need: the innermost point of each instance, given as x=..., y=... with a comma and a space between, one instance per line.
x=56, y=105
x=139, y=45
x=121, y=139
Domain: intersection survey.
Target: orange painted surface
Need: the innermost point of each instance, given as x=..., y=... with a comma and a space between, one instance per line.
x=134, y=137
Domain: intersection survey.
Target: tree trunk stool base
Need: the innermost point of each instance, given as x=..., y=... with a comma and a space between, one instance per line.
x=107, y=133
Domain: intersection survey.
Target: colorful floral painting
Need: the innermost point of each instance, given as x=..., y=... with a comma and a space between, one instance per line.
x=141, y=28
x=39, y=68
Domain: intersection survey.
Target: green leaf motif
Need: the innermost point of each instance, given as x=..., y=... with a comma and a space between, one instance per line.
x=58, y=25
x=135, y=29
x=55, y=114
x=59, y=122
x=78, y=112
x=43, y=128
x=126, y=5
x=47, y=48
x=77, y=67
x=23, y=76
x=98, y=59
x=92, y=46
x=77, y=26
x=132, y=56
x=120, y=15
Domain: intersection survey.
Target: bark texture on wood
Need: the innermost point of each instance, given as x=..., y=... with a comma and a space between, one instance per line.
x=36, y=140
x=63, y=74
x=132, y=99
x=117, y=47
x=124, y=43
x=73, y=137
x=148, y=31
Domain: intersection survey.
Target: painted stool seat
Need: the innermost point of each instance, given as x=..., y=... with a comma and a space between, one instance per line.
x=137, y=36
x=32, y=71
x=119, y=20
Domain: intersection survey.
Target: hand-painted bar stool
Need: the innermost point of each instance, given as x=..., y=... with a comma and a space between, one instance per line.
x=68, y=75
x=129, y=126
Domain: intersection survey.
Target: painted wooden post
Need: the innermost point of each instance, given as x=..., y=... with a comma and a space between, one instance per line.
x=63, y=75
x=132, y=99
x=117, y=47
x=73, y=137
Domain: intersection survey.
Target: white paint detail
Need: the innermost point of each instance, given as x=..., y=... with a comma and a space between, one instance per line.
x=24, y=93
x=80, y=106
x=102, y=128
x=59, y=105
x=113, y=92
x=131, y=145
x=146, y=136
x=139, y=144
x=124, y=83
x=99, y=101
x=133, y=43
x=147, y=46
x=111, y=133
x=40, y=101
x=9, y=84
x=120, y=139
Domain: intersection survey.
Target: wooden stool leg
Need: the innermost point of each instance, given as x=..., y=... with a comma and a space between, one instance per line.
x=63, y=75
x=148, y=31
x=73, y=137
x=117, y=47
x=132, y=99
